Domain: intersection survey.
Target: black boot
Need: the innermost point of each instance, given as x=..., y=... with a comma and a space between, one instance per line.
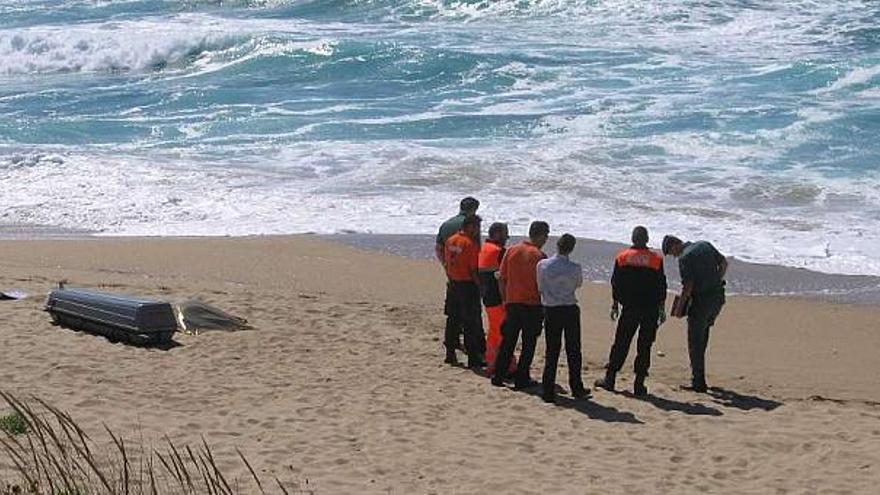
x=450, y=357
x=581, y=392
x=699, y=386
x=608, y=382
x=639, y=388
x=475, y=362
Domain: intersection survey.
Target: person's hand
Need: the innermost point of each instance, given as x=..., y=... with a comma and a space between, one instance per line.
x=661, y=318
x=615, y=311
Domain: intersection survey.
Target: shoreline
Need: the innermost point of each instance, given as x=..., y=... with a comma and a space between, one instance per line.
x=596, y=257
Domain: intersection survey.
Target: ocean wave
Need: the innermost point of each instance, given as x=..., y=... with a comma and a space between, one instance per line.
x=404, y=188
x=108, y=47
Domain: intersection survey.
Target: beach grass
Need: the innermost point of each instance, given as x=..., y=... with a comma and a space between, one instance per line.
x=53, y=455
x=13, y=424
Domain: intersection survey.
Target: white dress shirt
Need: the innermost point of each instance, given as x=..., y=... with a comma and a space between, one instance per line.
x=558, y=278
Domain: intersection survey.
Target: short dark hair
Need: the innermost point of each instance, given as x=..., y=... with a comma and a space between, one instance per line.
x=496, y=228
x=669, y=242
x=471, y=220
x=469, y=204
x=538, y=228
x=640, y=236
x=566, y=243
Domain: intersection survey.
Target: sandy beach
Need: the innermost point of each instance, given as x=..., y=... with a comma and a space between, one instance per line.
x=340, y=386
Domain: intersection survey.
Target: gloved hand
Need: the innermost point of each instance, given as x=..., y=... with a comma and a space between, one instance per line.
x=615, y=311
x=661, y=318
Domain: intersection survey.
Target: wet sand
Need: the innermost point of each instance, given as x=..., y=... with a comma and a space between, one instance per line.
x=597, y=258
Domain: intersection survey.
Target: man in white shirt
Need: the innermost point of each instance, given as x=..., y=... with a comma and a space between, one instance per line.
x=558, y=278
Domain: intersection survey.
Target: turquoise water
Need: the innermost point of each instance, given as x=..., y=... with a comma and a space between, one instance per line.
x=751, y=124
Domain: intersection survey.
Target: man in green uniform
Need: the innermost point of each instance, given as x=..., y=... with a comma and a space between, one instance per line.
x=454, y=327
x=702, y=270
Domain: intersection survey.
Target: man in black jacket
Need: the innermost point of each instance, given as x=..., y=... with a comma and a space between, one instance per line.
x=639, y=284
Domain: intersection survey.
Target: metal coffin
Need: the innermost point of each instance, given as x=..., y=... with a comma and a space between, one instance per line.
x=125, y=318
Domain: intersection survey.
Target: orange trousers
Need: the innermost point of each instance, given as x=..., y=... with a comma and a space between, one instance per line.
x=495, y=314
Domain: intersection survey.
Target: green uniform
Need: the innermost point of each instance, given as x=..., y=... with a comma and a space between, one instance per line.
x=451, y=338
x=698, y=264
x=449, y=228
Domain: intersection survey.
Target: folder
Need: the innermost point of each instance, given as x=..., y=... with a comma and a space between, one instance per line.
x=679, y=307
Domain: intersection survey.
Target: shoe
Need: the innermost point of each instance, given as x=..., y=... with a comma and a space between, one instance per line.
x=451, y=358
x=550, y=399
x=497, y=382
x=700, y=388
x=608, y=382
x=639, y=388
x=524, y=384
x=476, y=365
x=476, y=362
x=583, y=393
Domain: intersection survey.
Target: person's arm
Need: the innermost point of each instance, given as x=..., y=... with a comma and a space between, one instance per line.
x=474, y=258
x=661, y=294
x=615, y=296
x=615, y=282
x=687, y=290
x=722, y=268
x=580, y=276
x=440, y=252
x=501, y=275
x=662, y=286
x=502, y=290
x=687, y=281
x=539, y=277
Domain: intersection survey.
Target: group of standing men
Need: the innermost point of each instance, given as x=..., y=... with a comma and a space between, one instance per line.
x=525, y=292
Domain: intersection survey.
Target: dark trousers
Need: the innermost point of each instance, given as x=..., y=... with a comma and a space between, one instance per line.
x=465, y=308
x=703, y=311
x=454, y=330
x=559, y=321
x=633, y=319
x=519, y=318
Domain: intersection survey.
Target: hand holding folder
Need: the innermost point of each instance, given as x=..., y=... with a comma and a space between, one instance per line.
x=679, y=307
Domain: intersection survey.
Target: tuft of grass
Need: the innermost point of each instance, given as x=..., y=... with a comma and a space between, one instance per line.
x=52, y=455
x=13, y=424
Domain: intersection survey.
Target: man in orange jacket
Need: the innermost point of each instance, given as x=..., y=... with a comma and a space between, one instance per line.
x=522, y=304
x=491, y=254
x=462, y=253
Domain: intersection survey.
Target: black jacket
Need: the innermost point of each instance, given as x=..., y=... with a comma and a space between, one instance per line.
x=638, y=278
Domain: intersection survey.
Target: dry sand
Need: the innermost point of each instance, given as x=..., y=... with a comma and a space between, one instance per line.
x=340, y=387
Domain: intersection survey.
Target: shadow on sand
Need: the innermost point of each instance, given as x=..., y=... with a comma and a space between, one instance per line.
x=586, y=406
x=595, y=410
x=117, y=339
x=729, y=398
x=691, y=408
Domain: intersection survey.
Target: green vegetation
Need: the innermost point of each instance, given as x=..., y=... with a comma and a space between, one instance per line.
x=52, y=455
x=13, y=424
